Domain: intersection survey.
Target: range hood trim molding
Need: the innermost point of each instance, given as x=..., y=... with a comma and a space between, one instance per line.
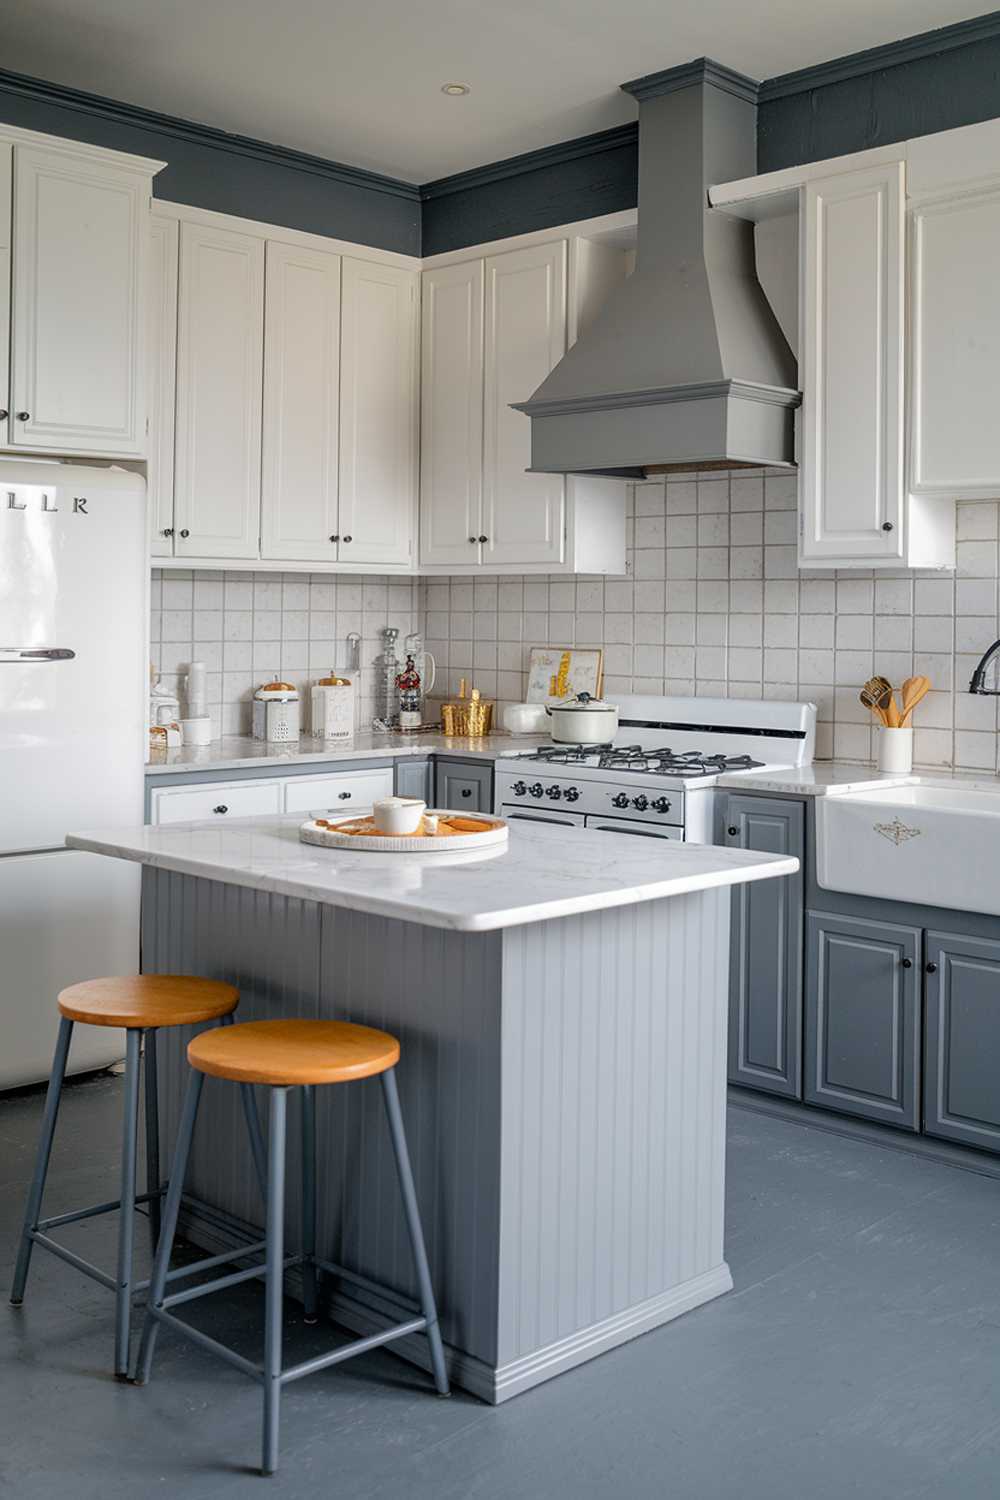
x=709, y=390
x=702, y=70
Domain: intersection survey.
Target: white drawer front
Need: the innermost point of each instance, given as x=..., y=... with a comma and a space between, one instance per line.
x=237, y=799
x=347, y=792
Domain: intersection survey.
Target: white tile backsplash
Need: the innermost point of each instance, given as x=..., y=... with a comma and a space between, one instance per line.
x=716, y=604
x=246, y=627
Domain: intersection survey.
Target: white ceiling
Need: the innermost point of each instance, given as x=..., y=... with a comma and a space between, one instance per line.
x=359, y=80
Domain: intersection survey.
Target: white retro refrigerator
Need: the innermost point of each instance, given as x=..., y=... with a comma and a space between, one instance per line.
x=73, y=572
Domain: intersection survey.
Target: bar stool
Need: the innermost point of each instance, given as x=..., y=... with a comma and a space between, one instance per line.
x=142, y=1004
x=284, y=1055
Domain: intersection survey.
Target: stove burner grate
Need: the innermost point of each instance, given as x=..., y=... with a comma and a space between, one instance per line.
x=658, y=762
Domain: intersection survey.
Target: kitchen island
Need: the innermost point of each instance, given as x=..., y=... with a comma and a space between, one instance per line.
x=561, y=1006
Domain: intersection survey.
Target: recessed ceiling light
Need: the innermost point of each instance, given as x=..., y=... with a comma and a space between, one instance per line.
x=455, y=89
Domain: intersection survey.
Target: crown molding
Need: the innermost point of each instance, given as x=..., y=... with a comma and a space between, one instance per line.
x=876, y=59
x=532, y=161
x=64, y=97
x=702, y=70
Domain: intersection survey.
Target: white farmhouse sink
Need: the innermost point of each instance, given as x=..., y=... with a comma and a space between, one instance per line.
x=938, y=845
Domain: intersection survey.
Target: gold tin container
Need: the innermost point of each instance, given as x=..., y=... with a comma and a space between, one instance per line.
x=467, y=718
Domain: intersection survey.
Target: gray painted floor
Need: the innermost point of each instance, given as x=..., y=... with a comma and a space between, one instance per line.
x=857, y=1356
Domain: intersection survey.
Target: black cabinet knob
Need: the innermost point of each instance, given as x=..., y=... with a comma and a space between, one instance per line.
x=24, y=416
x=733, y=832
x=168, y=531
x=4, y=415
x=473, y=540
x=344, y=796
x=886, y=525
x=347, y=539
x=907, y=963
x=484, y=538
x=466, y=791
x=222, y=808
x=335, y=537
x=185, y=533
x=932, y=968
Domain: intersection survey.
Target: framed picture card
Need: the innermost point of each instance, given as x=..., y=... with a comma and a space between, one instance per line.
x=563, y=671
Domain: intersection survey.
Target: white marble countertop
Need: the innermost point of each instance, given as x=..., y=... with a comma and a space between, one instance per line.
x=240, y=752
x=825, y=776
x=540, y=874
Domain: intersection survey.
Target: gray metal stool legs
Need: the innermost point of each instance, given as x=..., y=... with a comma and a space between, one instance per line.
x=35, y=1229
x=270, y=1374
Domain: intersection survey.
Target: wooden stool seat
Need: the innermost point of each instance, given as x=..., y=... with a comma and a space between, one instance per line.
x=290, y=1053
x=141, y=1001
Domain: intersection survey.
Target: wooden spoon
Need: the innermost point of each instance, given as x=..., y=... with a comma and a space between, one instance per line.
x=914, y=689
x=877, y=695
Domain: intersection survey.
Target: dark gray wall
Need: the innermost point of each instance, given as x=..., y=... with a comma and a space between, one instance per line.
x=210, y=169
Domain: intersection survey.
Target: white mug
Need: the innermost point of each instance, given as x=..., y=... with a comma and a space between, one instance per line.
x=399, y=815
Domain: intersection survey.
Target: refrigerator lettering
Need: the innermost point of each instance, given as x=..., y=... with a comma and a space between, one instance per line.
x=12, y=502
x=80, y=505
x=47, y=507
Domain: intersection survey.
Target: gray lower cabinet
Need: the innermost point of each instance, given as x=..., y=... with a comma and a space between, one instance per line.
x=765, y=986
x=463, y=786
x=414, y=778
x=862, y=1018
x=962, y=1078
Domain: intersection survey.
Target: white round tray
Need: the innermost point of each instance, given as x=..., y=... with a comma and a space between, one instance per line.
x=311, y=833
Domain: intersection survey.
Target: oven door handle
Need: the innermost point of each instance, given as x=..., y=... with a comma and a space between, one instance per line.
x=641, y=833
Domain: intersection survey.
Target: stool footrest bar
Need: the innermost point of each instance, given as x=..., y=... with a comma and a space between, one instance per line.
x=90, y=1213
x=192, y=1293
x=348, y=1351
x=205, y=1342
x=216, y=1260
x=87, y=1267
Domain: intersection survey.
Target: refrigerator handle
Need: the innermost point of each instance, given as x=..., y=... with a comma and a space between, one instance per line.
x=35, y=653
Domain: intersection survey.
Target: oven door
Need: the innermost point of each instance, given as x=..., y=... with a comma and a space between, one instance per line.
x=643, y=830
x=519, y=814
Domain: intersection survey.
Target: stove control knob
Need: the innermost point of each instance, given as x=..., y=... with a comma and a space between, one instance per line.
x=519, y=788
x=572, y=794
x=661, y=805
x=536, y=789
x=640, y=803
x=620, y=801
x=554, y=793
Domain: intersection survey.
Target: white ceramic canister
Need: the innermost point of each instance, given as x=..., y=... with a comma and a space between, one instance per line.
x=332, y=703
x=525, y=718
x=895, y=750
x=276, y=712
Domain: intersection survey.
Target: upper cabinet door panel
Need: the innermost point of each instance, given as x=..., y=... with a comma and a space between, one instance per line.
x=219, y=355
x=525, y=337
x=6, y=226
x=955, y=355
x=301, y=403
x=78, y=299
x=852, y=366
x=378, y=413
x=161, y=381
x=451, y=395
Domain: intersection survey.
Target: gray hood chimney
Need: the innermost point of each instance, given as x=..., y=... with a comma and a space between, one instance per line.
x=686, y=366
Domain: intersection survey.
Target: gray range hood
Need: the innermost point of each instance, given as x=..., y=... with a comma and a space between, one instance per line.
x=686, y=366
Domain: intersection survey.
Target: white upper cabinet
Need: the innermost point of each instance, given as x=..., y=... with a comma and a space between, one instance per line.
x=451, y=408
x=161, y=381
x=6, y=228
x=78, y=303
x=378, y=413
x=219, y=353
x=525, y=337
x=955, y=312
x=851, y=368
x=299, y=500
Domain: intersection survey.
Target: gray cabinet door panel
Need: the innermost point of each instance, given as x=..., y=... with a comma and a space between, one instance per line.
x=962, y=1084
x=414, y=779
x=765, y=984
x=862, y=1031
x=461, y=786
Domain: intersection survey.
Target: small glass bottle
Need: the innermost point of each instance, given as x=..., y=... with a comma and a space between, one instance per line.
x=408, y=687
x=387, y=693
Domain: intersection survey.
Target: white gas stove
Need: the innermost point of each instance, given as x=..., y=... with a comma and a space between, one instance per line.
x=658, y=777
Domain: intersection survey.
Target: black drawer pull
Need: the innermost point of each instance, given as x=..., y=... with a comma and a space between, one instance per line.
x=344, y=796
x=932, y=968
x=907, y=963
x=466, y=791
x=733, y=832
x=222, y=808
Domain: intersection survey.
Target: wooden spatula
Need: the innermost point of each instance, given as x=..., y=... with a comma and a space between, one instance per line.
x=914, y=688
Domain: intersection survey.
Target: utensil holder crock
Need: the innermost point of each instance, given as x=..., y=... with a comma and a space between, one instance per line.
x=895, y=750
